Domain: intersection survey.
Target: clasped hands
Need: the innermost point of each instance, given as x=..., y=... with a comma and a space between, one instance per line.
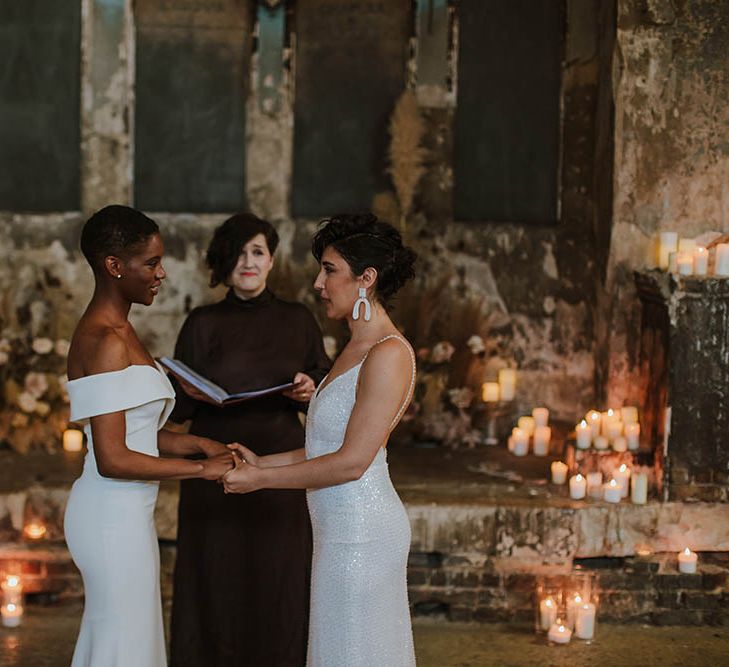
x=233, y=465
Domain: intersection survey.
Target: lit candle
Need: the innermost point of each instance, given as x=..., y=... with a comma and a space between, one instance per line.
x=521, y=442
x=542, y=436
x=632, y=435
x=490, y=392
x=585, y=621
x=612, y=492
x=583, y=435
x=73, y=440
x=527, y=425
x=594, y=420
x=507, y=384
x=622, y=476
x=573, y=603
x=594, y=485
x=639, y=488
x=12, y=585
x=578, y=487
x=601, y=442
x=510, y=444
x=34, y=531
x=606, y=418
x=701, y=261
x=721, y=264
x=614, y=429
x=629, y=414
x=687, y=561
x=547, y=613
x=12, y=614
x=667, y=243
x=685, y=263
x=541, y=416
x=559, y=633
x=559, y=472
x=620, y=444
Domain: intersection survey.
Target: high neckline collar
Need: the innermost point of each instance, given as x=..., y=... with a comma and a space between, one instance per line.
x=263, y=299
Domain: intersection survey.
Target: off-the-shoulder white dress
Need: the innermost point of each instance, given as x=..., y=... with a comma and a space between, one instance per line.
x=110, y=528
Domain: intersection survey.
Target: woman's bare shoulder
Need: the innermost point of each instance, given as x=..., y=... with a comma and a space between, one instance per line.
x=96, y=349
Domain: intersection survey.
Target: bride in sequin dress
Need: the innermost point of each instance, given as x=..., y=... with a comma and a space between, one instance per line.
x=359, y=606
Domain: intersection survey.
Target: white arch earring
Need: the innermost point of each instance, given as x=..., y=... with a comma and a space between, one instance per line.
x=362, y=300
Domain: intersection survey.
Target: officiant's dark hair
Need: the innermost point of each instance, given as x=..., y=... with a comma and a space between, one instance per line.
x=115, y=230
x=365, y=241
x=228, y=241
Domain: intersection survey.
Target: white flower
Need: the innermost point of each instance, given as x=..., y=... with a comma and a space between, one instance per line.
x=3, y=357
x=442, y=352
x=475, y=344
x=330, y=346
x=42, y=345
x=61, y=347
x=27, y=402
x=42, y=408
x=36, y=384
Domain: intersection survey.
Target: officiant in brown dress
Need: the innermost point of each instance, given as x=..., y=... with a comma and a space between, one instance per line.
x=241, y=585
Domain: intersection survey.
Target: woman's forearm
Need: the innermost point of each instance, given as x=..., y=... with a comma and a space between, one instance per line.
x=327, y=470
x=178, y=444
x=282, y=459
x=135, y=465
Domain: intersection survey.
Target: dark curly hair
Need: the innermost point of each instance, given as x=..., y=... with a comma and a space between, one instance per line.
x=364, y=241
x=228, y=241
x=115, y=230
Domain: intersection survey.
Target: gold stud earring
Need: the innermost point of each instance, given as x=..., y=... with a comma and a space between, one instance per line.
x=118, y=275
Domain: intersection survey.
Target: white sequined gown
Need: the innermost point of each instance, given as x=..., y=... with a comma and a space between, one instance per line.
x=109, y=526
x=360, y=615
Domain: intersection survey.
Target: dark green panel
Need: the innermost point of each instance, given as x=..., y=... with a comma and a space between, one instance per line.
x=40, y=53
x=192, y=71
x=350, y=70
x=506, y=144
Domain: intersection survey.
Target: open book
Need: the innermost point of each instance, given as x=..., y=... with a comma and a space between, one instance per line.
x=218, y=394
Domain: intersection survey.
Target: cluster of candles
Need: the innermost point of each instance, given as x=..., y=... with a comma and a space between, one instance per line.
x=503, y=390
x=617, y=429
x=534, y=428
x=591, y=484
x=12, y=601
x=578, y=616
x=685, y=257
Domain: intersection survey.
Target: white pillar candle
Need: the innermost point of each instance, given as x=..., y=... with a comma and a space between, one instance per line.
x=490, y=392
x=687, y=561
x=527, y=425
x=542, y=436
x=559, y=472
x=614, y=429
x=507, y=384
x=667, y=243
x=639, y=488
x=721, y=264
x=620, y=444
x=701, y=261
x=73, y=440
x=585, y=621
x=583, y=435
x=541, y=416
x=594, y=485
x=622, y=475
x=601, y=442
x=612, y=492
x=685, y=263
x=606, y=418
x=629, y=414
x=521, y=442
x=547, y=613
x=672, y=262
x=632, y=435
x=12, y=614
x=573, y=602
x=559, y=634
x=686, y=245
x=510, y=444
x=578, y=487
x=594, y=420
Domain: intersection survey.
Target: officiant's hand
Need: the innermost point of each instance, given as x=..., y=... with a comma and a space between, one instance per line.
x=215, y=467
x=303, y=388
x=243, y=453
x=244, y=478
x=194, y=392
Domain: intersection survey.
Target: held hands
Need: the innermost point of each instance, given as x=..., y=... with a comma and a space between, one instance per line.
x=302, y=390
x=215, y=467
x=245, y=477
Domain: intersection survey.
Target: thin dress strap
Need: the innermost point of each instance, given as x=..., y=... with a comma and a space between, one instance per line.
x=411, y=389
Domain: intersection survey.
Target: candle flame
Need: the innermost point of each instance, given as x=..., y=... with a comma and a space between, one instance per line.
x=578, y=597
x=578, y=477
x=610, y=412
x=12, y=580
x=623, y=467
x=11, y=606
x=613, y=483
x=561, y=628
x=594, y=416
x=34, y=531
x=583, y=423
x=549, y=602
x=687, y=551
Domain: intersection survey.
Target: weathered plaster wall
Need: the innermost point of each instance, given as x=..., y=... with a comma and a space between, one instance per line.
x=671, y=87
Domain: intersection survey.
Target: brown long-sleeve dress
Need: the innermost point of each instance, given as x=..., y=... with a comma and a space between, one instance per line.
x=241, y=586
